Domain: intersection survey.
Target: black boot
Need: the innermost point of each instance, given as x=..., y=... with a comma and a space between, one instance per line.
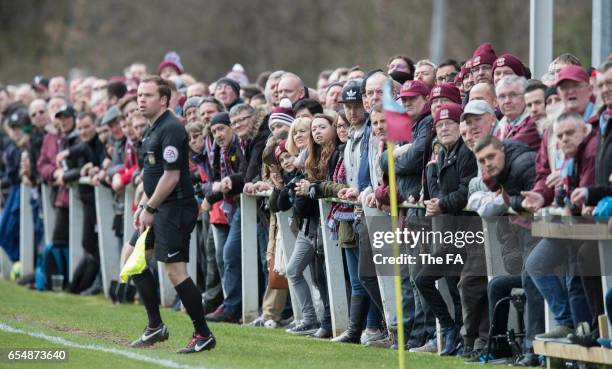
x=451, y=339
x=358, y=314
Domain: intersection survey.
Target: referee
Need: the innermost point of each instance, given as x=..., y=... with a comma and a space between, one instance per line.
x=169, y=207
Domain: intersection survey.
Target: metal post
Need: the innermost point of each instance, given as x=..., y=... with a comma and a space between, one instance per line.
x=336, y=283
x=75, y=231
x=540, y=36
x=601, y=38
x=438, y=31
x=107, y=242
x=48, y=213
x=26, y=231
x=374, y=221
x=128, y=214
x=605, y=254
x=249, y=254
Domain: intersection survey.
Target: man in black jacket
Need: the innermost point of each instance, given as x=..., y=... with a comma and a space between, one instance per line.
x=511, y=168
x=86, y=152
x=447, y=193
x=252, y=137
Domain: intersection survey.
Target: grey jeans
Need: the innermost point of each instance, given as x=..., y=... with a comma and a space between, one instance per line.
x=302, y=256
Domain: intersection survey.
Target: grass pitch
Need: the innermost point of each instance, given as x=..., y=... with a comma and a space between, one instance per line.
x=98, y=335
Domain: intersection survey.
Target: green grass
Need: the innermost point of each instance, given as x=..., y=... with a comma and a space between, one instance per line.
x=94, y=320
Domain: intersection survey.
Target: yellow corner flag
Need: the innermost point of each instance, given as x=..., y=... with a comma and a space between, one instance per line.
x=396, y=267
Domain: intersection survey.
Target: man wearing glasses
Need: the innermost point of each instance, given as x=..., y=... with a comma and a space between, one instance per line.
x=482, y=64
x=516, y=124
x=251, y=142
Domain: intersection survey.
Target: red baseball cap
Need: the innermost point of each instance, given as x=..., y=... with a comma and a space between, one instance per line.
x=573, y=73
x=450, y=111
x=509, y=60
x=414, y=88
x=448, y=90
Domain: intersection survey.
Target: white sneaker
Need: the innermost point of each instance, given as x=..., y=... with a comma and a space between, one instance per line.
x=369, y=335
x=431, y=346
x=259, y=322
x=271, y=324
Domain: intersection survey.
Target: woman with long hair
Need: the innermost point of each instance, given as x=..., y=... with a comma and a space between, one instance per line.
x=321, y=160
x=298, y=140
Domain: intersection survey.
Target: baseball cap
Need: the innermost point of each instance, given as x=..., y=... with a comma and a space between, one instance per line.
x=572, y=73
x=66, y=110
x=111, y=114
x=414, y=88
x=477, y=107
x=351, y=92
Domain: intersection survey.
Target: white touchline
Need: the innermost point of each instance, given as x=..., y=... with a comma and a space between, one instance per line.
x=131, y=355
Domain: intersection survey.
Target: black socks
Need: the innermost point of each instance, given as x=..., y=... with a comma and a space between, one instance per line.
x=192, y=301
x=145, y=283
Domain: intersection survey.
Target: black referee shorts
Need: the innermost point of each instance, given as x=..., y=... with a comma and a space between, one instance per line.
x=172, y=229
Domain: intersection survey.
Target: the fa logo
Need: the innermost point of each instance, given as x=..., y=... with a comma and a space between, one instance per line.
x=436, y=91
x=501, y=62
x=476, y=61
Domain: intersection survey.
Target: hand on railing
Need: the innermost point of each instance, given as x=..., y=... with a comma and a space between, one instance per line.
x=349, y=193
x=302, y=187
x=58, y=177
x=532, y=201
x=578, y=196
x=432, y=207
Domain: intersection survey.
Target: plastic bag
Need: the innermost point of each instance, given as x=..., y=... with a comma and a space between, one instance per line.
x=603, y=208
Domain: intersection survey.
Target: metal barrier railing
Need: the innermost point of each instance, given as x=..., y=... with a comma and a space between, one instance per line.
x=110, y=248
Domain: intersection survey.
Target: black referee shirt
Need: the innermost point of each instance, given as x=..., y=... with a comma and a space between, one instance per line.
x=165, y=145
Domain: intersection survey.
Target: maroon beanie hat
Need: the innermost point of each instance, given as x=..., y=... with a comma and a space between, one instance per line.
x=483, y=54
x=280, y=149
x=509, y=60
x=448, y=90
x=450, y=111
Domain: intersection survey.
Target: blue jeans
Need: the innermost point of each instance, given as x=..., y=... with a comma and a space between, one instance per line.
x=565, y=295
x=352, y=262
x=303, y=255
x=232, y=266
x=220, y=232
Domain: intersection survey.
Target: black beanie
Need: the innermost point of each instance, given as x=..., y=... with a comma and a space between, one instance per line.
x=220, y=118
x=233, y=84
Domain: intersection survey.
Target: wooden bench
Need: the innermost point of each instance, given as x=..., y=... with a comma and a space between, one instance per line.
x=557, y=353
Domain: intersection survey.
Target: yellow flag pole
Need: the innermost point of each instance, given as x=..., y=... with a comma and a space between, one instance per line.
x=396, y=267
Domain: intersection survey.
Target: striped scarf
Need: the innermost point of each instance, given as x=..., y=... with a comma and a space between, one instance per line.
x=339, y=212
